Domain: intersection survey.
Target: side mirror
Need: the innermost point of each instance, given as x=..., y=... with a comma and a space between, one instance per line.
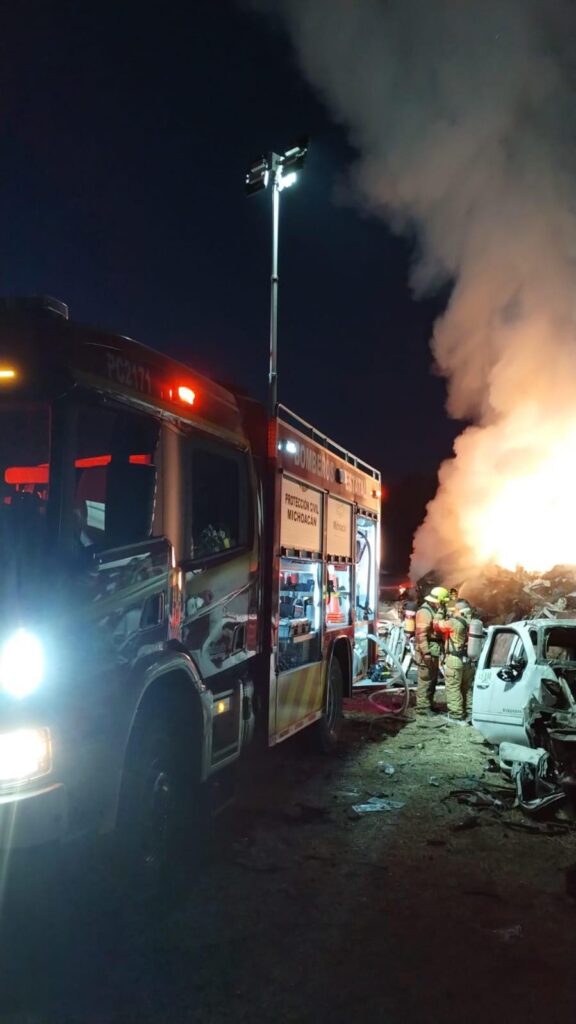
x=511, y=673
x=130, y=499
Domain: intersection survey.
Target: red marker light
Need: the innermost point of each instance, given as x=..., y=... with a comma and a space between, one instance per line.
x=186, y=395
x=21, y=475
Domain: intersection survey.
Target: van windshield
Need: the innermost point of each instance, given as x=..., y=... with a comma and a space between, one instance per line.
x=24, y=477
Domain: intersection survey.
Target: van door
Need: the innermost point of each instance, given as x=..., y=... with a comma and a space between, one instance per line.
x=504, y=682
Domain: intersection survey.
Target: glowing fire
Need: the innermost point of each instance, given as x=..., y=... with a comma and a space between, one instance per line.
x=530, y=522
x=509, y=496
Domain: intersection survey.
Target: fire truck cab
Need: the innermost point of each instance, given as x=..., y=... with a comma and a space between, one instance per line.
x=180, y=573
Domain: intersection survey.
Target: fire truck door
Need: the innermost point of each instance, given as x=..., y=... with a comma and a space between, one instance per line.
x=220, y=583
x=217, y=609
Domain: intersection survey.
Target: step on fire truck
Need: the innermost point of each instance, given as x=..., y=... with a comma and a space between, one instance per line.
x=180, y=572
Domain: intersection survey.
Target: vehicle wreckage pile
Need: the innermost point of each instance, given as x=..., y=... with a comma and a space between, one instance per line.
x=501, y=596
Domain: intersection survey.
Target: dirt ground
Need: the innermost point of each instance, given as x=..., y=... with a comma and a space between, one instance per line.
x=304, y=910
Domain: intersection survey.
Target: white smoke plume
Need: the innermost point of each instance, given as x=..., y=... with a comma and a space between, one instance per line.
x=464, y=116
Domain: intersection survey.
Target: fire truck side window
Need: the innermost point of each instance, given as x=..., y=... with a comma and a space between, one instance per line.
x=300, y=611
x=337, y=595
x=24, y=456
x=114, y=489
x=220, y=500
x=366, y=576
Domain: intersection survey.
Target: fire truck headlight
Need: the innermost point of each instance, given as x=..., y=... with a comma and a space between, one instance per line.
x=21, y=664
x=24, y=754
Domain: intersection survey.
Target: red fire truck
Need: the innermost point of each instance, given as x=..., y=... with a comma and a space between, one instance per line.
x=179, y=573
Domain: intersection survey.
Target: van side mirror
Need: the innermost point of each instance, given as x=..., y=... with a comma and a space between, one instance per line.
x=510, y=673
x=130, y=500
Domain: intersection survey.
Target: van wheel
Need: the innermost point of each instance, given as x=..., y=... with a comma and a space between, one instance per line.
x=154, y=813
x=326, y=731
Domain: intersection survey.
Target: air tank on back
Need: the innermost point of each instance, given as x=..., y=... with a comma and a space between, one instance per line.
x=475, y=639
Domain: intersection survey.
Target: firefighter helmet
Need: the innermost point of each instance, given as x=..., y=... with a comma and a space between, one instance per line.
x=439, y=594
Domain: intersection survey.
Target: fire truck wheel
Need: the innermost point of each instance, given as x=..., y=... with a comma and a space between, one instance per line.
x=327, y=729
x=153, y=821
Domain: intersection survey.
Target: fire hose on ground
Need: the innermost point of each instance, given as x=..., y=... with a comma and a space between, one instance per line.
x=393, y=696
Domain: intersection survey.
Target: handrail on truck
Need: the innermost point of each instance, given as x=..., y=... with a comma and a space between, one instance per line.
x=292, y=419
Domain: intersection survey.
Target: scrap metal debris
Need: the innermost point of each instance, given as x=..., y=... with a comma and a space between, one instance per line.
x=501, y=595
x=544, y=774
x=377, y=803
x=479, y=798
x=536, y=786
x=510, y=754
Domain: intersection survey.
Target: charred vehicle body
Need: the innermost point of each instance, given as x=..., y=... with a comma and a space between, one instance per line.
x=525, y=702
x=180, y=572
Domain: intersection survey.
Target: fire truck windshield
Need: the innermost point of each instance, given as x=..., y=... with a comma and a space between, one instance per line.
x=24, y=458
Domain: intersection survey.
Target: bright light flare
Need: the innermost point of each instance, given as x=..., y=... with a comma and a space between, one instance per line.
x=21, y=664
x=7, y=373
x=186, y=395
x=24, y=754
x=287, y=180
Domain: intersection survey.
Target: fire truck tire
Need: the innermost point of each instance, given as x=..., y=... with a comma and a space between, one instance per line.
x=326, y=731
x=154, y=819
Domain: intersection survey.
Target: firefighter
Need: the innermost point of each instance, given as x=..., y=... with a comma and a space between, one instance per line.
x=458, y=669
x=408, y=610
x=429, y=646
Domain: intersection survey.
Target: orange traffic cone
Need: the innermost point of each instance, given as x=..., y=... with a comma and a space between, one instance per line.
x=334, y=611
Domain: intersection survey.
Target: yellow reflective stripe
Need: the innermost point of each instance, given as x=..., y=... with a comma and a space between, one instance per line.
x=300, y=694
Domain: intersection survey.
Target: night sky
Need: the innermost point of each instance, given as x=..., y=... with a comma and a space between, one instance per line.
x=125, y=137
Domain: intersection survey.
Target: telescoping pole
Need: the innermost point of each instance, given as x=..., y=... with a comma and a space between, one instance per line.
x=281, y=170
x=273, y=371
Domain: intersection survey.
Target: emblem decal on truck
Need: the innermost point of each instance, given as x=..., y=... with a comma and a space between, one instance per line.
x=319, y=464
x=129, y=374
